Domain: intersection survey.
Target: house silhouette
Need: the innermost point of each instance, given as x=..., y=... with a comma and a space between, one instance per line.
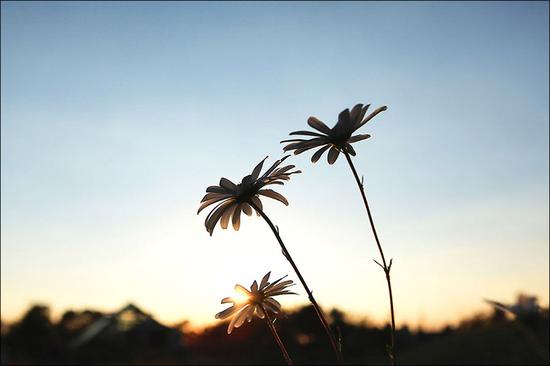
x=109, y=325
x=130, y=332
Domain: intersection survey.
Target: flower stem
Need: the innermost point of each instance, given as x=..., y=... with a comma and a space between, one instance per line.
x=384, y=266
x=318, y=310
x=276, y=336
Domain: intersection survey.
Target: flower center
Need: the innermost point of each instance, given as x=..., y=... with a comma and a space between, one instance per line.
x=341, y=140
x=257, y=298
x=245, y=191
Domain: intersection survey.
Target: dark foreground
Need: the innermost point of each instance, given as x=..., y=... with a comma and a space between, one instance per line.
x=133, y=337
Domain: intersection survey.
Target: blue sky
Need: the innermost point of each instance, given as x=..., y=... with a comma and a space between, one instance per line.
x=117, y=116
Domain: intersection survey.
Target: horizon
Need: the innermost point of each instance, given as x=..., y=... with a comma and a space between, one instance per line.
x=192, y=326
x=117, y=116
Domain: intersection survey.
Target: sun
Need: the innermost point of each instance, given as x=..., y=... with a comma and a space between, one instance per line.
x=240, y=296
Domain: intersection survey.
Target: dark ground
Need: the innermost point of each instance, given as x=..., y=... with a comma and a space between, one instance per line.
x=483, y=339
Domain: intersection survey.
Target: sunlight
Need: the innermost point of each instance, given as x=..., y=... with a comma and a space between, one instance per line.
x=241, y=295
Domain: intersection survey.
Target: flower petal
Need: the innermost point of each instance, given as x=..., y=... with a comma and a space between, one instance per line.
x=228, y=312
x=306, y=143
x=350, y=150
x=272, y=194
x=306, y=147
x=246, y=208
x=293, y=140
x=265, y=280
x=343, y=122
x=210, y=196
x=234, y=320
x=279, y=286
x=250, y=311
x=274, y=166
x=279, y=174
x=224, y=221
x=256, y=172
x=215, y=215
x=278, y=280
x=318, y=153
x=275, y=285
x=318, y=125
x=276, y=182
x=355, y=112
x=270, y=307
x=226, y=300
x=247, y=179
x=216, y=189
x=361, y=115
x=306, y=133
x=242, y=316
x=227, y=184
x=242, y=290
x=236, y=220
x=370, y=116
x=344, y=118
x=333, y=155
x=259, y=312
x=274, y=303
x=256, y=201
x=283, y=169
x=209, y=202
x=254, y=286
x=292, y=146
x=356, y=138
x=283, y=292
x=213, y=210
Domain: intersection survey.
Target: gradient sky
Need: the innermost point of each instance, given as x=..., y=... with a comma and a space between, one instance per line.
x=116, y=116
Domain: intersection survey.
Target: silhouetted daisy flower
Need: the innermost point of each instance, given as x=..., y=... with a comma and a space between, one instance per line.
x=233, y=198
x=336, y=139
x=256, y=302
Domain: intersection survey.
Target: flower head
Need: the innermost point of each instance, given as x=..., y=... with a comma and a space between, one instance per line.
x=338, y=138
x=233, y=198
x=254, y=302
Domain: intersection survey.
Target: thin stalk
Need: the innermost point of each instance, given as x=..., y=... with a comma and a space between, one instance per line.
x=276, y=336
x=318, y=310
x=384, y=266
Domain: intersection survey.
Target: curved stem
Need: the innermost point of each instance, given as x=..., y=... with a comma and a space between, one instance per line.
x=384, y=266
x=318, y=310
x=276, y=336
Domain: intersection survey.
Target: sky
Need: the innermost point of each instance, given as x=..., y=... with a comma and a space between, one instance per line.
x=116, y=116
